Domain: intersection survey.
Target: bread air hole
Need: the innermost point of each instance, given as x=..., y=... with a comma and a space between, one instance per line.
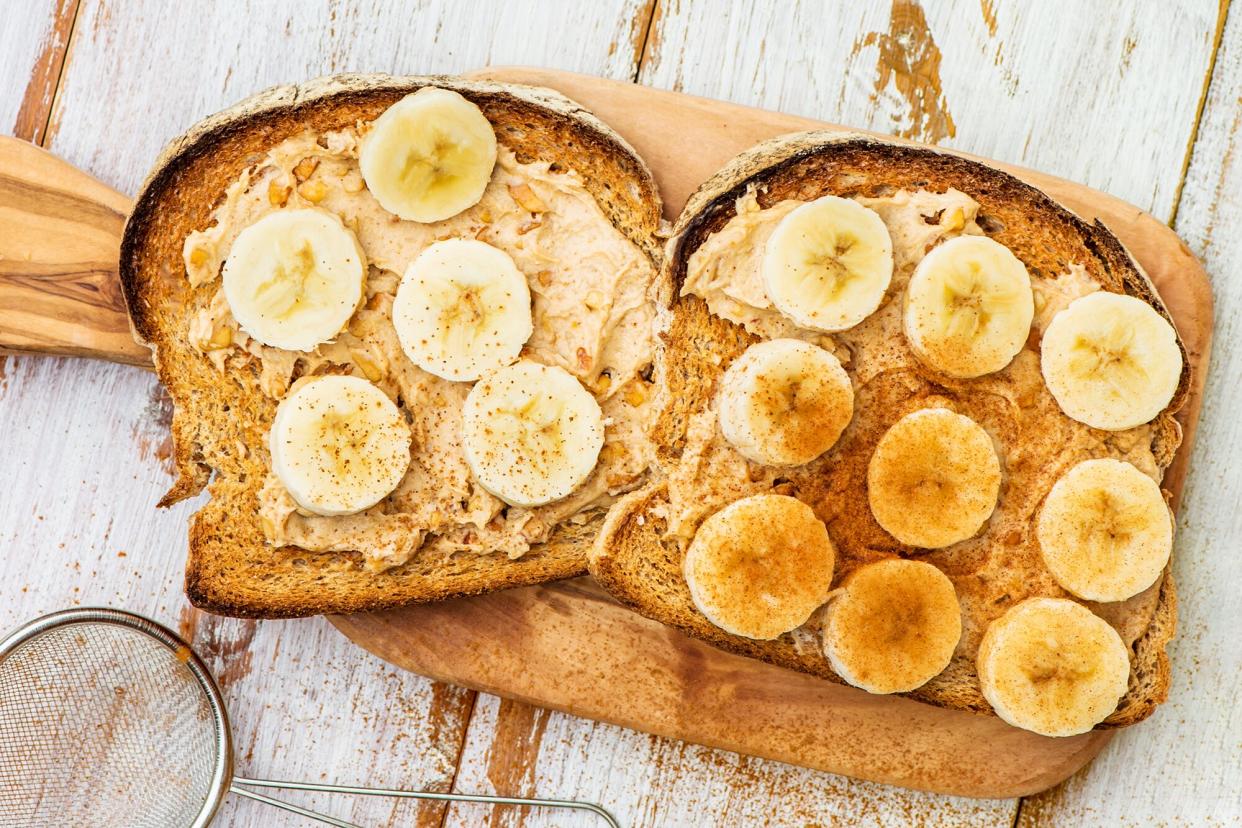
x=990, y=224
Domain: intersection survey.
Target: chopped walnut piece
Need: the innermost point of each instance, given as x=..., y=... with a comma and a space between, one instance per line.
x=611, y=452
x=636, y=394
x=534, y=529
x=278, y=193
x=526, y=197
x=312, y=191
x=368, y=367
x=222, y=338
x=305, y=168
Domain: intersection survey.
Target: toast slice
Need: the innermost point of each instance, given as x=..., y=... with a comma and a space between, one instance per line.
x=221, y=420
x=639, y=555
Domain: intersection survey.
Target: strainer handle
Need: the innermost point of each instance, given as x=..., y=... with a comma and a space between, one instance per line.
x=287, y=806
x=400, y=794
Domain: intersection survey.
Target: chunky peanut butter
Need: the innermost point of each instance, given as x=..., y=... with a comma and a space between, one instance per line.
x=1035, y=441
x=592, y=316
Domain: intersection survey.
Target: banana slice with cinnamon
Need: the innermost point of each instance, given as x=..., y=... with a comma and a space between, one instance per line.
x=760, y=566
x=1051, y=666
x=934, y=478
x=784, y=402
x=893, y=627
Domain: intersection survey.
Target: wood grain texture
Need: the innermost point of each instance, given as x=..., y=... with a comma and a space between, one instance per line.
x=34, y=37
x=540, y=645
x=59, y=242
x=86, y=448
x=1070, y=88
x=84, y=441
x=149, y=63
x=1182, y=767
x=663, y=783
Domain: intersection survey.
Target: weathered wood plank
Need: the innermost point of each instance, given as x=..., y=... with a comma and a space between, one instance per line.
x=661, y=783
x=34, y=36
x=86, y=444
x=1181, y=768
x=306, y=707
x=86, y=449
x=1101, y=93
x=149, y=63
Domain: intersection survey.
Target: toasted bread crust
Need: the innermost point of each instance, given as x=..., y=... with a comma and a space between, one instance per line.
x=219, y=423
x=633, y=559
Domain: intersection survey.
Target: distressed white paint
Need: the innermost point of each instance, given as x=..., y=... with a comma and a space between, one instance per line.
x=79, y=476
x=1183, y=766
x=1098, y=92
x=661, y=783
x=80, y=471
x=79, y=481
x=163, y=66
x=26, y=28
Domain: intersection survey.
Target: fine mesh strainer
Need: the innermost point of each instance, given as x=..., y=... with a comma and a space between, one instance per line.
x=109, y=719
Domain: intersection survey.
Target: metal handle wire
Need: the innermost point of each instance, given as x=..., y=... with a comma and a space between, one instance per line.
x=591, y=807
x=289, y=806
x=109, y=718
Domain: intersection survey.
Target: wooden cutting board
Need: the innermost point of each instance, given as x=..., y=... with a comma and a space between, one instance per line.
x=568, y=646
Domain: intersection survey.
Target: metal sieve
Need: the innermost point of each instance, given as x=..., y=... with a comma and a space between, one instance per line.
x=108, y=718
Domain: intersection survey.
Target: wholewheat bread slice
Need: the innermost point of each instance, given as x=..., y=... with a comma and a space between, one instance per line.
x=640, y=563
x=220, y=423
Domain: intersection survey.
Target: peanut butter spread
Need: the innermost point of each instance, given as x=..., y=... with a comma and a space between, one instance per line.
x=591, y=314
x=1035, y=441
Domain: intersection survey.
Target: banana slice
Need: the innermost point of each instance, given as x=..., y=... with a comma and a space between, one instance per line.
x=1111, y=361
x=531, y=433
x=785, y=402
x=969, y=307
x=339, y=445
x=828, y=263
x=1049, y=665
x=294, y=278
x=893, y=627
x=1105, y=531
x=429, y=156
x=760, y=566
x=933, y=479
x=462, y=310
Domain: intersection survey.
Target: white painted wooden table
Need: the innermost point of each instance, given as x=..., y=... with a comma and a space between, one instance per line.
x=1141, y=99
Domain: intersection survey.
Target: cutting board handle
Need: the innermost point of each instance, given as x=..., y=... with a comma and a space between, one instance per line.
x=60, y=239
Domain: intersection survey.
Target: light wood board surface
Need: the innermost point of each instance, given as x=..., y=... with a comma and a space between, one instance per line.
x=83, y=441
